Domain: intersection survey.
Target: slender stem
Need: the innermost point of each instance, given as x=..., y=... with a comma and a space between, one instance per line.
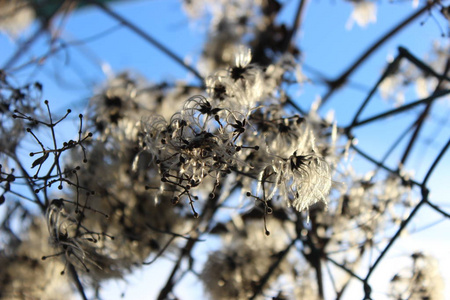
x=421, y=65
x=333, y=281
x=19, y=195
x=314, y=257
x=320, y=78
x=44, y=25
x=294, y=105
x=435, y=163
x=30, y=183
x=160, y=252
x=77, y=281
x=419, y=124
x=318, y=268
x=381, y=165
x=438, y=209
x=350, y=272
x=164, y=248
x=391, y=67
x=147, y=37
x=170, y=284
x=394, y=145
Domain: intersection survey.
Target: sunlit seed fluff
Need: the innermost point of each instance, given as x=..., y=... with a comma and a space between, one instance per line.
x=364, y=12
x=243, y=57
x=310, y=181
x=301, y=179
x=69, y=237
x=240, y=87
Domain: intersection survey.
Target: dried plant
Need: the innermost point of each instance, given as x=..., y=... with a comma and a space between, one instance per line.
x=229, y=158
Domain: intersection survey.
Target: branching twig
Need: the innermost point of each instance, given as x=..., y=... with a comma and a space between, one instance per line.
x=435, y=163
x=403, y=108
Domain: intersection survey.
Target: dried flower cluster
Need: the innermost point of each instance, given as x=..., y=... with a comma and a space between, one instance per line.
x=239, y=128
x=159, y=170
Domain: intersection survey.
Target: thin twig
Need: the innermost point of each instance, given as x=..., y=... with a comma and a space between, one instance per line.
x=394, y=145
x=435, y=163
x=23, y=48
x=421, y=65
x=350, y=272
x=77, y=281
x=30, y=183
x=390, y=69
x=170, y=284
x=400, y=109
x=381, y=165
x=438, y=209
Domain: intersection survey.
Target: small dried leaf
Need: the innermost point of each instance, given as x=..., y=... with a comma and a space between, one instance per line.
x=40, y=160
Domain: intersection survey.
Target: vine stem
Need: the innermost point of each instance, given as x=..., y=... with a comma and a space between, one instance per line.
x=77, y=281
x=381, y=165
x=29, y=183
x=435, y=163
x=438, y=209
x=403, y=108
